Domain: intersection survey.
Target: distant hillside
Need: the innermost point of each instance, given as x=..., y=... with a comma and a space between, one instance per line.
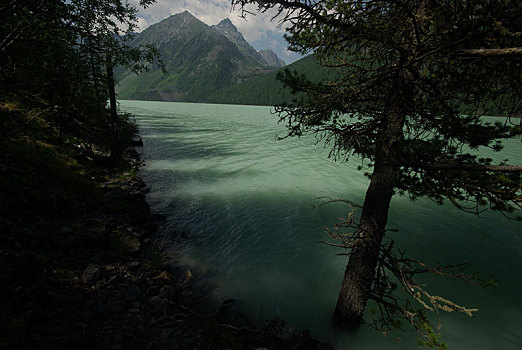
x=266, y=89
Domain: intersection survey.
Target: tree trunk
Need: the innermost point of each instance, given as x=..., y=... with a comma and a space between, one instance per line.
x=360, y=271
x=115, y=146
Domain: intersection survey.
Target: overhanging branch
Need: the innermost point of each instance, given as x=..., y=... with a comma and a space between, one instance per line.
x=467, y=167
x=509, y=51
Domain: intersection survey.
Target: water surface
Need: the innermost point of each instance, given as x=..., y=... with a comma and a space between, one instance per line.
x=242, y=209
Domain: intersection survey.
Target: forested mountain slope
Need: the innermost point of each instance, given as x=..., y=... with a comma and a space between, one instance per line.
x=199, y=61
x=267, y=89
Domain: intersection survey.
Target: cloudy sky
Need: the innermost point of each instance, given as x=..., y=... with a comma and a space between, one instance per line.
x=258, y=30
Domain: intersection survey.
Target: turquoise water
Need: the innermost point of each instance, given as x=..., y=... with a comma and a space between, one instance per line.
x=242, y=210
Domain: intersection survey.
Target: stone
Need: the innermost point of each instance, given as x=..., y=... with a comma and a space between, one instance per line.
x=279, y=331
x=136, y=141
x=66, y=230
x=92, y=274
x=132, y=293
x=133, y=263
x=116, y=201
x=93, y=229
x=166, y=278
x=158, y=309
x=186, y=279
x=110, y=268
x=6, y=273
x=168, y=292
x=116, y=305
x=130, y=243
x=153, y=290
x=154, y=300
x=139, y=212
x=100, y=309
x=151, y=226
x=158, y=217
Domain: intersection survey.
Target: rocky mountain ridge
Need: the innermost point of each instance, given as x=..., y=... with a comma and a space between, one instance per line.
x=265, y=57
x=200, y=60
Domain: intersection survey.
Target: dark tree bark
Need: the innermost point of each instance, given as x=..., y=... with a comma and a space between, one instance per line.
x=360, y=271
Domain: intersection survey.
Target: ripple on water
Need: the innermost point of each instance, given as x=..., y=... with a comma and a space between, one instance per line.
x=245, y=205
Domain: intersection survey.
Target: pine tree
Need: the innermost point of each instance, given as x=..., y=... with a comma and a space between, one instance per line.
x=414, y=79
x=61, y=54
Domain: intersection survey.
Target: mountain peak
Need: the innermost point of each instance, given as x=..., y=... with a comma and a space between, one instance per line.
x=185, y=17
x=226, y=21
x=185, y=13
x=227, y=25
x=178, y=19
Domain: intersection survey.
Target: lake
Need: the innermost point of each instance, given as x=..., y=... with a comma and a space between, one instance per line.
x=243, y=210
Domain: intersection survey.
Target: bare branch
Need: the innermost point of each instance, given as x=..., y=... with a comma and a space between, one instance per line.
x=509, y=51
x=468, y=167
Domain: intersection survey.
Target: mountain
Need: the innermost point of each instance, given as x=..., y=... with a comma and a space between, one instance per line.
x=264, y=57
x=267, y=90
x=270, y=58
x=226, y=28
x=199, y=60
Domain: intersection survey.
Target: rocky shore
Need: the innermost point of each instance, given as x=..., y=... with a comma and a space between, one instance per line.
x=93, y=276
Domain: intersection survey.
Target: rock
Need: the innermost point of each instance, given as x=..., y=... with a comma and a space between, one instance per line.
x=133, y=263
x=151, y=226
x=281, y=335
x=100, y=309
x=92, y=274
x=132, y=293
x=93, y=229
x=186, y=279
x=166, y=278
x=116, y=201
x=106, y=295
x=139, y=212
x=130, y=244
x=168, y=292
x=116, y=305
x=6, y=273
x=66, y=230
x=95, y=259
x=188, y=342
x=153, y=290
x=136, y=141
x=279, y=331
x=158, y=217
x=110, y=268
x=153, y=300
x=158, y=309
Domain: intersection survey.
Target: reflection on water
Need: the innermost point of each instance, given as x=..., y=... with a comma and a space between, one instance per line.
x=248, y=205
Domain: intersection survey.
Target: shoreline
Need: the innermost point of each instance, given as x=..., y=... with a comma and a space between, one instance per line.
x=82, y=268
